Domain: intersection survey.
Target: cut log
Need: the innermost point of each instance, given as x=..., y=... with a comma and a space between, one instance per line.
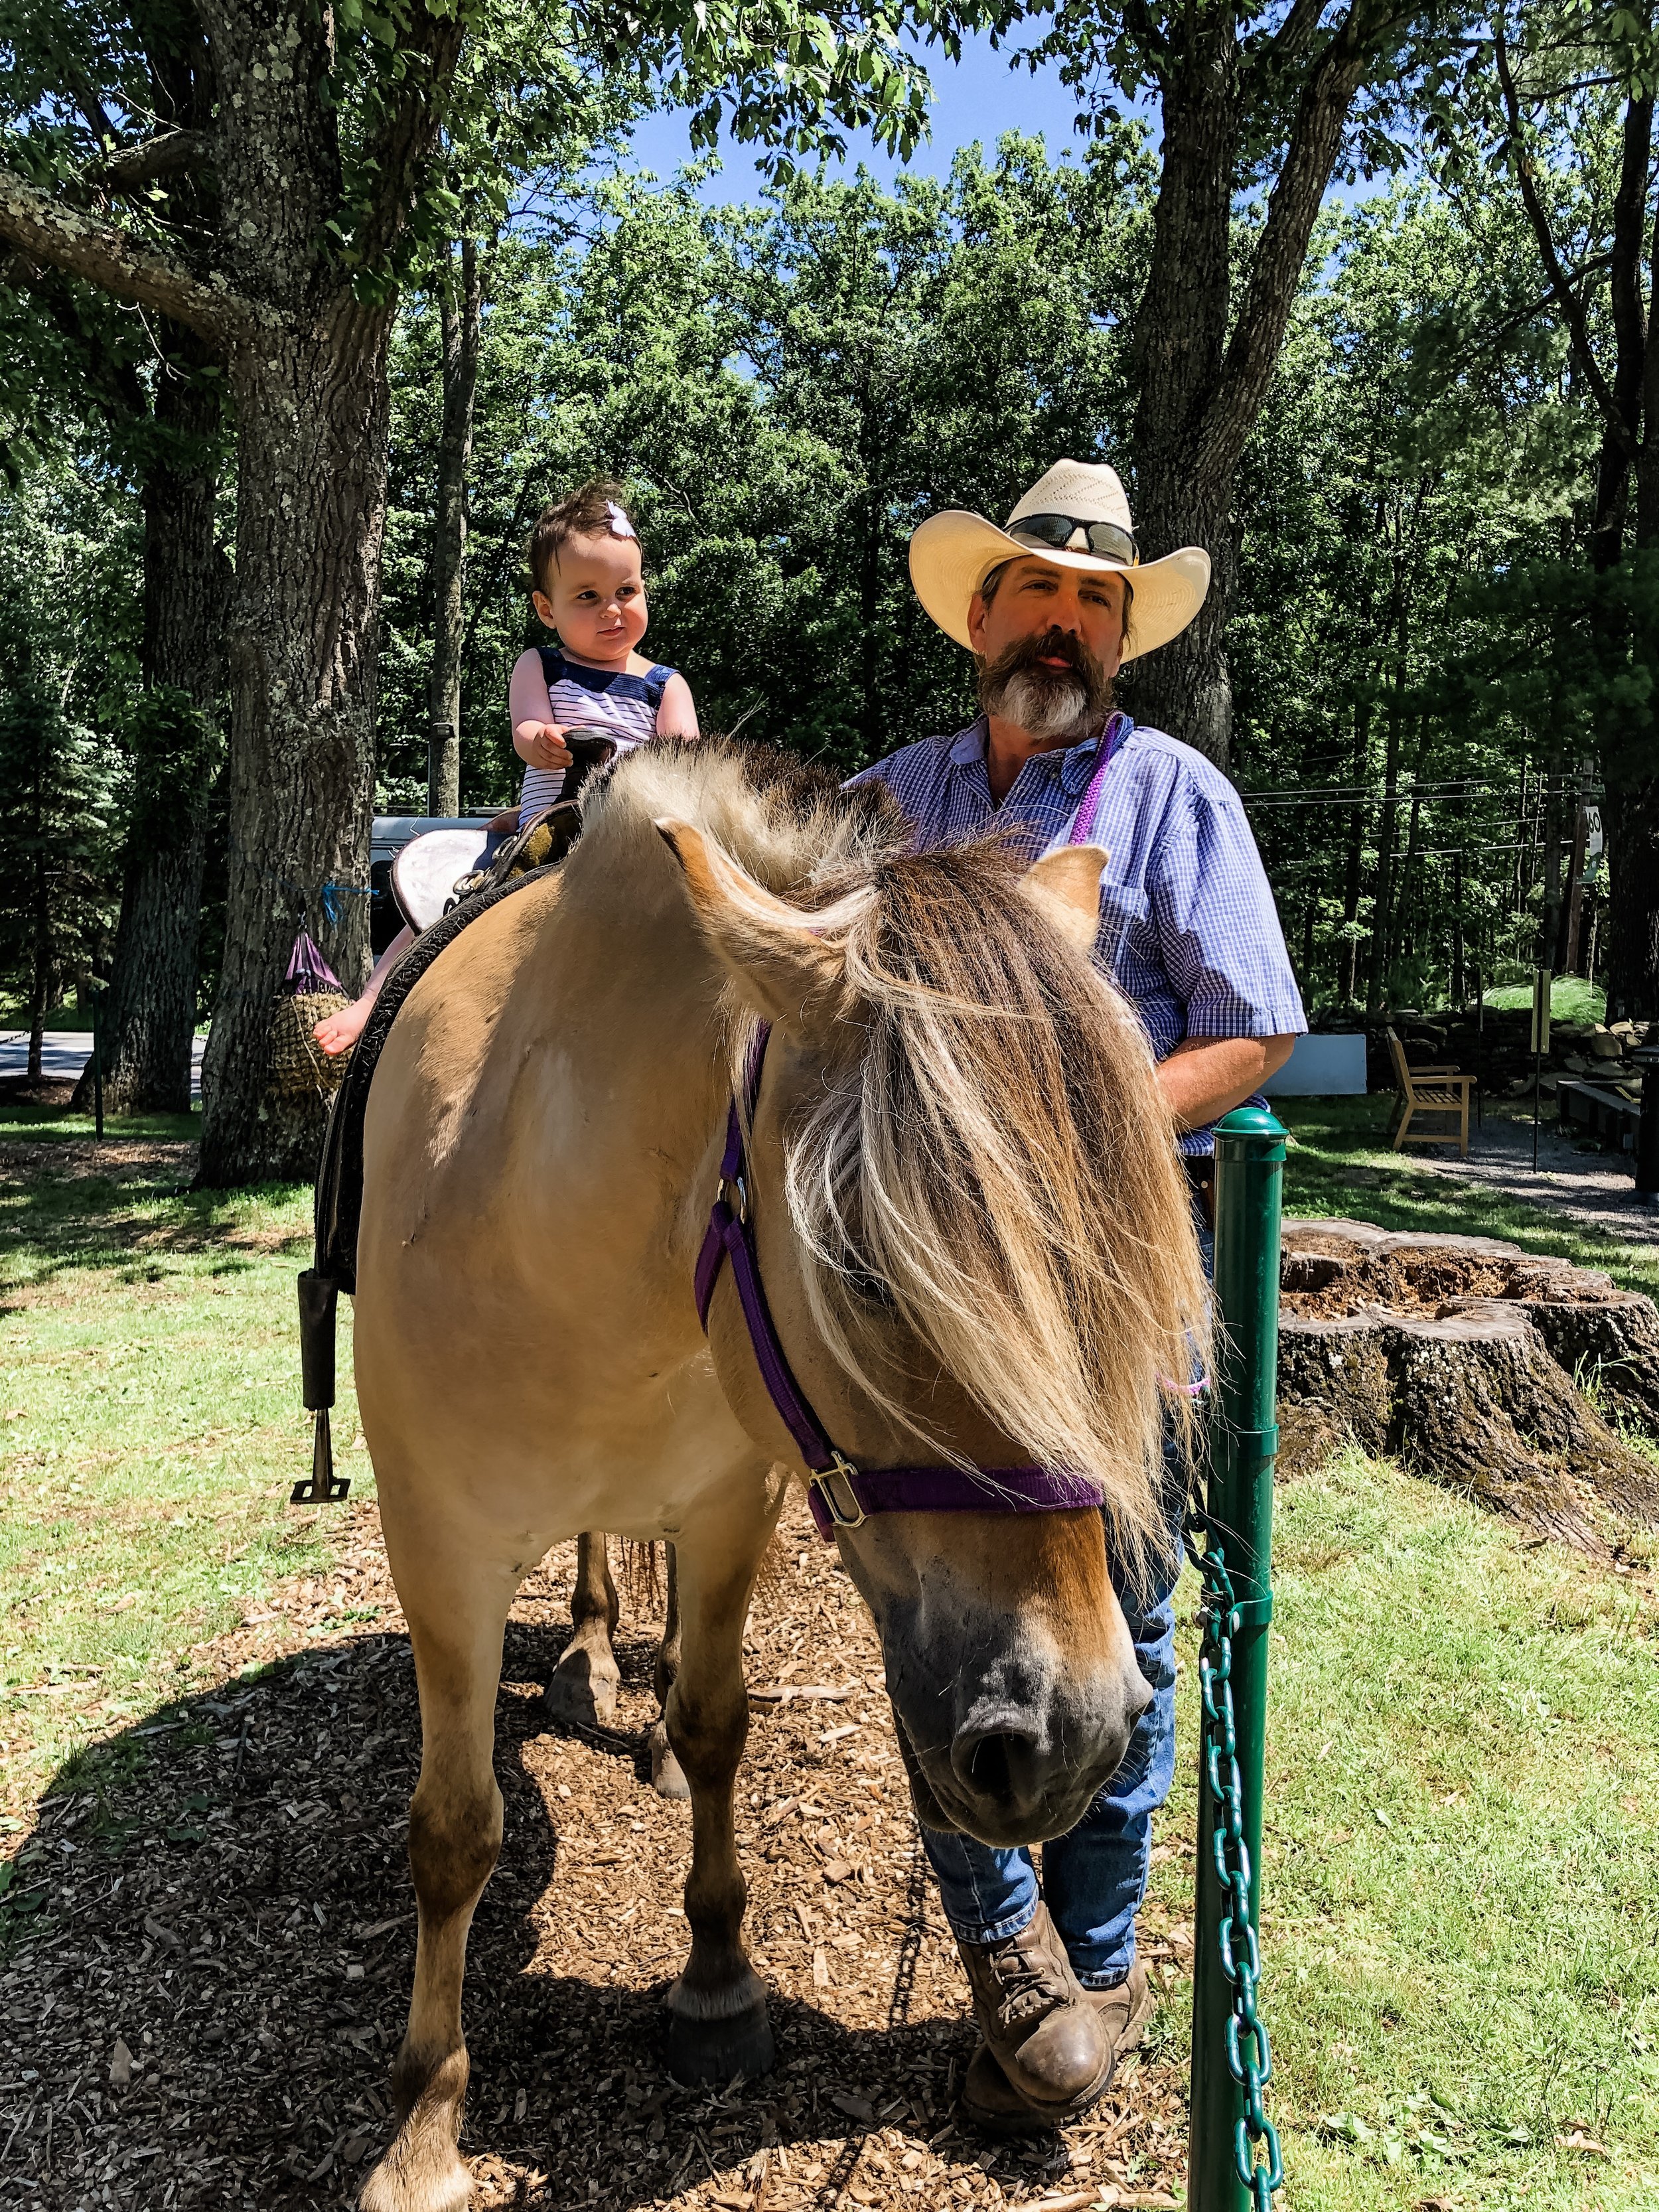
x=1461, y=1355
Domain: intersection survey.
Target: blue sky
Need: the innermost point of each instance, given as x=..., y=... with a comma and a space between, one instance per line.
x=980, y=99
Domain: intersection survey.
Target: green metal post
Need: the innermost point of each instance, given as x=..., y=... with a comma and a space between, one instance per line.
x=1248, y=1192
x=97, y=1060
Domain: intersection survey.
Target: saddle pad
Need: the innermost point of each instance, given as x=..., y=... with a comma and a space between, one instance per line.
x=339, y=1202
x=426, y=872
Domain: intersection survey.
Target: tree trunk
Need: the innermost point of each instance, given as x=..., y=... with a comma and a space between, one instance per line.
x=1179, y=340
x=1383, y=896
x=310, y=515
x=1458, y=1354
x=309, y=372
x=41, y=962
x=1355, y=858
x=1633, y=953
x=1404, y=931
x=150, y=1021
x=461, y=313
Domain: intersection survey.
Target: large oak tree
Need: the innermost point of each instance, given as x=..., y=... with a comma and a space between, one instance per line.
x=322, y=165
x=1255, y=102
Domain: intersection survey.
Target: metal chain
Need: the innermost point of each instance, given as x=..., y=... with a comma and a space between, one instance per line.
x=1249, y=2059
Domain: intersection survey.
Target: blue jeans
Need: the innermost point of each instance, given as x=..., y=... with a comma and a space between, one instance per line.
x=1094, y=1877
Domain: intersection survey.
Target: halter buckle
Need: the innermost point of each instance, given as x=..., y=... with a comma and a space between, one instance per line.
x=821, y=1482
x=735, y=1191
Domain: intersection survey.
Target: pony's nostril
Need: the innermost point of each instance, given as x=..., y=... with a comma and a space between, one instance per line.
x=988, y=1770
x=996, y=1766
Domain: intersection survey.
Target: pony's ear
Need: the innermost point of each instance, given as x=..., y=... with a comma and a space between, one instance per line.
x=781, y=959
x=1065, y=886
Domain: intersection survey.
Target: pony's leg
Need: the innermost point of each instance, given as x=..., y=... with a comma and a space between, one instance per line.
x=667, y=1775
x=583, y=1687
x=457, y=1609
x=717, y=2023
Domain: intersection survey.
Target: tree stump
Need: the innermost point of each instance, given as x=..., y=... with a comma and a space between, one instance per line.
x=1462, y=1357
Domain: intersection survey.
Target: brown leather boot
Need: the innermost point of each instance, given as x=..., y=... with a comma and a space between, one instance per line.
x=989, y=2098
x=1049, y=2045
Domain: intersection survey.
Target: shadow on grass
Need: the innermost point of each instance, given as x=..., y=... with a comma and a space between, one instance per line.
x=68, y=1200
x=222, y=1887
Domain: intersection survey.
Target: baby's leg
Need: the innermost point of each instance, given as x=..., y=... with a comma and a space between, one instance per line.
x=340, y=1031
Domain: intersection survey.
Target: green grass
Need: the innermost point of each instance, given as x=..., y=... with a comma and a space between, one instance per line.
x=31, y=1124
x=1572, y=999
x=151, y=1427
x=1460, y=1862
x=15, y=1015
x=1340, y=1164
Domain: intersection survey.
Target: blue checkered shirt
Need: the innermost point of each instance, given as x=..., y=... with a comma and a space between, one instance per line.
x=1188, y=927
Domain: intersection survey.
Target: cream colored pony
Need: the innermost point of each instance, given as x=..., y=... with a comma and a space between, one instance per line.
x=974, y=1237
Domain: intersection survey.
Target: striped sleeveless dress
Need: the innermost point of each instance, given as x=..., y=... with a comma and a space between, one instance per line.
x=622, y=707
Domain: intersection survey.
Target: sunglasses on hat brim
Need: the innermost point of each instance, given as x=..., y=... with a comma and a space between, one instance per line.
x=1056, y=532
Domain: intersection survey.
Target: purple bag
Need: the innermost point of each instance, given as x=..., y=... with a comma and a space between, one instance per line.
x=307, y=970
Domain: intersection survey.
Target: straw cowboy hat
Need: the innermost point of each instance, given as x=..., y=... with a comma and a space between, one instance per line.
x=951, y=554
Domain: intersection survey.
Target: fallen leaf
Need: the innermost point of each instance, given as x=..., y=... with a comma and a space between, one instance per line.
x=1579, y=2141
x=520, y=2104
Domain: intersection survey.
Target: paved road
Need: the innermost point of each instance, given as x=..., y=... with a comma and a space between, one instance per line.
x=65, y=1052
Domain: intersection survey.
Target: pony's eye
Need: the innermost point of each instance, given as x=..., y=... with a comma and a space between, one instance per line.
x=869, y=1288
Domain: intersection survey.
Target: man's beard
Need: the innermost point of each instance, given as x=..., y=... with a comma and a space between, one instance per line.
x=1069, y=703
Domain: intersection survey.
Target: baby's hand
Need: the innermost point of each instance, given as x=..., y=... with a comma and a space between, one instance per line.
x=541, y=744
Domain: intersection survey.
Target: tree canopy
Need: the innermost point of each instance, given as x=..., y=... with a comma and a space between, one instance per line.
x=1440, y=545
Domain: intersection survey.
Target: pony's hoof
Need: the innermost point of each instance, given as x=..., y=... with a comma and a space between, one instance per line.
x=436, y=2182
x=581, y=1694
x=667, y=1775
x=701, y=2052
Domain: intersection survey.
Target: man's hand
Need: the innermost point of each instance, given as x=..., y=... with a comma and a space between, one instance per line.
x=1204, y=1077
x=541, y=744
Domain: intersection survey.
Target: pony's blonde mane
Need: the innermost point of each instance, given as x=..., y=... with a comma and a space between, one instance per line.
x=989, y=1163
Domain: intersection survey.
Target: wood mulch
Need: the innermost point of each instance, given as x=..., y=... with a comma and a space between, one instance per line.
x=208, y=1940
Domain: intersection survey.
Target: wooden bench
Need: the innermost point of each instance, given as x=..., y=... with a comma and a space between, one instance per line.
x=1430, y=1090
x=1607, y=1114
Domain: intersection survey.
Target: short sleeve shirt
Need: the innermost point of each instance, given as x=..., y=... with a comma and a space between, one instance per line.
x=1189, y=930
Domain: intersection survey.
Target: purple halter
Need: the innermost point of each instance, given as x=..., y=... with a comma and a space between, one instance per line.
x=864, y=1490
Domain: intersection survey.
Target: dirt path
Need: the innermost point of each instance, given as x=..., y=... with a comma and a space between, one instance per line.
x=1594, y=1188
x=231, y=1906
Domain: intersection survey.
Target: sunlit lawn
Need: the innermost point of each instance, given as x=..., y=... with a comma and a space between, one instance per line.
x=151, y=1427
x=1460, y=1860
x=1572, y=999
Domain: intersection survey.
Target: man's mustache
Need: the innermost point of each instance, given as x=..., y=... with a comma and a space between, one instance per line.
x=1026, y=657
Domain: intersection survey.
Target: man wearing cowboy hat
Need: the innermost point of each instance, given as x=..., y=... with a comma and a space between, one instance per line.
x=1051, y=606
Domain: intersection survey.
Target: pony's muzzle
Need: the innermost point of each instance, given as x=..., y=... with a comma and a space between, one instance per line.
x=1025, y=1779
